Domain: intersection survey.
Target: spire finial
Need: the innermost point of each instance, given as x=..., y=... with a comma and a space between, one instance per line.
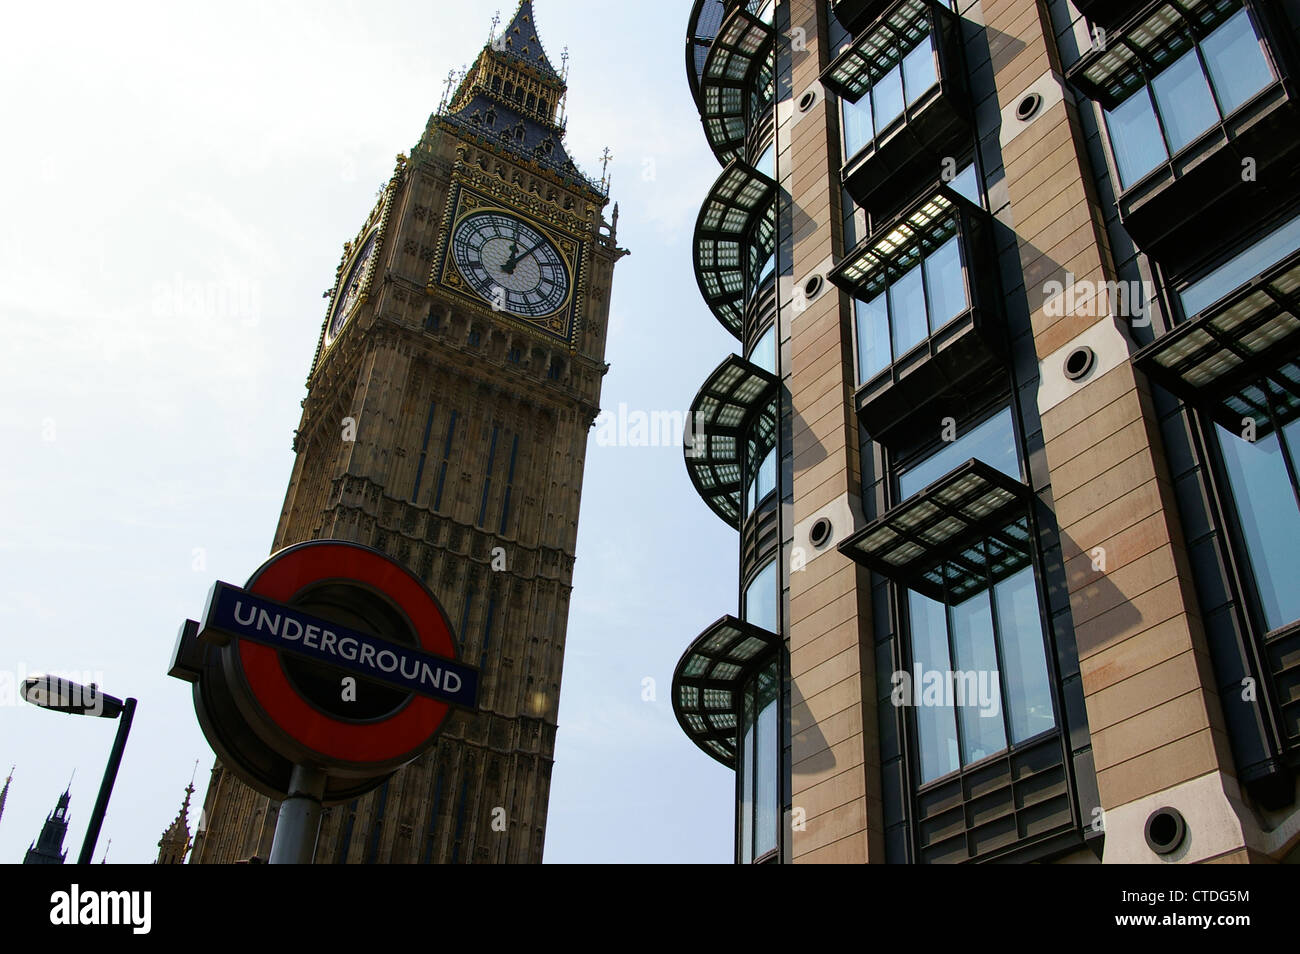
x=446, y=91
x=564, y=61
x=605, y=158
x=496, y=22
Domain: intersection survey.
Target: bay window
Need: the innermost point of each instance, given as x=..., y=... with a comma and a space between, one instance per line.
x=977, y=625
x=902, y=307
x=1177, y=86
x=896, y=88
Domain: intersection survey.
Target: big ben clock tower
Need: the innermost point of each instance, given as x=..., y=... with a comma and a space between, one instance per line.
x=454, y=384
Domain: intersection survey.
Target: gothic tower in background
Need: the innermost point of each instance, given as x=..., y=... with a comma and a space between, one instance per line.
x=455, y=381
x=48, y=848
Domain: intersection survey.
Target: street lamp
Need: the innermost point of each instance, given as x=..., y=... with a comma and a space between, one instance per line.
x=63, y=695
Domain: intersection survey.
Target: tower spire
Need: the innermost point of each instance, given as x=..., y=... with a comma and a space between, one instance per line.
x=520, y=40
x=48, y=849
x=605, y=158
x=175, y=843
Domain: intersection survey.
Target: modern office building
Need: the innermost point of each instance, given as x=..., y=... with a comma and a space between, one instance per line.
x=1010, y=440
x=456, y=378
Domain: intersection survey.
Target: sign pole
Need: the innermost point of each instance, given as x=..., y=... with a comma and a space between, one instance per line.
x=299, y=821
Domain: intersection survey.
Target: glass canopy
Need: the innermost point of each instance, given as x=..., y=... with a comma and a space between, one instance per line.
x=950, y=539
x=1222, y=358
x=725, y=413
x=896, y=250
x=709, y=681
x=736, y=211
x=733, y=69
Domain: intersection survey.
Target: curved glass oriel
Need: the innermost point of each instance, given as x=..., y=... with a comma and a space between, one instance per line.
x=736, y=225
x=761, y=250
x=758, y=766
x=762, y=481
x=745, y=771
x=766, y=163
x=762, y=93
x=761, y=598
x=760, y=459
x=767, y=751
x=764, y=353
x=737, y=82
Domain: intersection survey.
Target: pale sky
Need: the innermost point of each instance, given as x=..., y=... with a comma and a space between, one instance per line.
x=177, y=184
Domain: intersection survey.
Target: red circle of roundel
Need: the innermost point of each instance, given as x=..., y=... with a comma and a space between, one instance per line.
x=403, y=732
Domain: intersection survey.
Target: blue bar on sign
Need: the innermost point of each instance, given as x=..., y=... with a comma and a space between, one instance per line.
x=232, y=611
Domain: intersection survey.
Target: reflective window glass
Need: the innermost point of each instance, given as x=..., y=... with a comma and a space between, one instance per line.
x=766, y=761
x=745, y=769
x=767, y=161
x=873, y=337
x=998, y=674
x=944, y=285
x=977, y=695
x=1135, y=138
x=936, y=724
x=919, y=72
x=1185, y=102
x=966, y=183
x=857, y=125
x=1024, y=656
x=1269, y=518
x=914, y=306
x=887, y=98
x=1241, y=268
x=761, y=598
x=1181, y=93
x=907, y=311
x=1236, y=61
x=766, y=477
x=764, y=353
x=993, y=442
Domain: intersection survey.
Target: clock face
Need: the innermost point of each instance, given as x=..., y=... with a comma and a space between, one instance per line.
x=349, y=293
x=511, y=264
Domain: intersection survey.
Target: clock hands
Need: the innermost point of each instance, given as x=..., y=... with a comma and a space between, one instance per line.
x=508, y=267
x=515, y=258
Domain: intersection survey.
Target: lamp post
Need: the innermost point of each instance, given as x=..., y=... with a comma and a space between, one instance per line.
x=63, y=695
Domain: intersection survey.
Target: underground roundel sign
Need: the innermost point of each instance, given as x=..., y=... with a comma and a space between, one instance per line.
x=331, y=655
